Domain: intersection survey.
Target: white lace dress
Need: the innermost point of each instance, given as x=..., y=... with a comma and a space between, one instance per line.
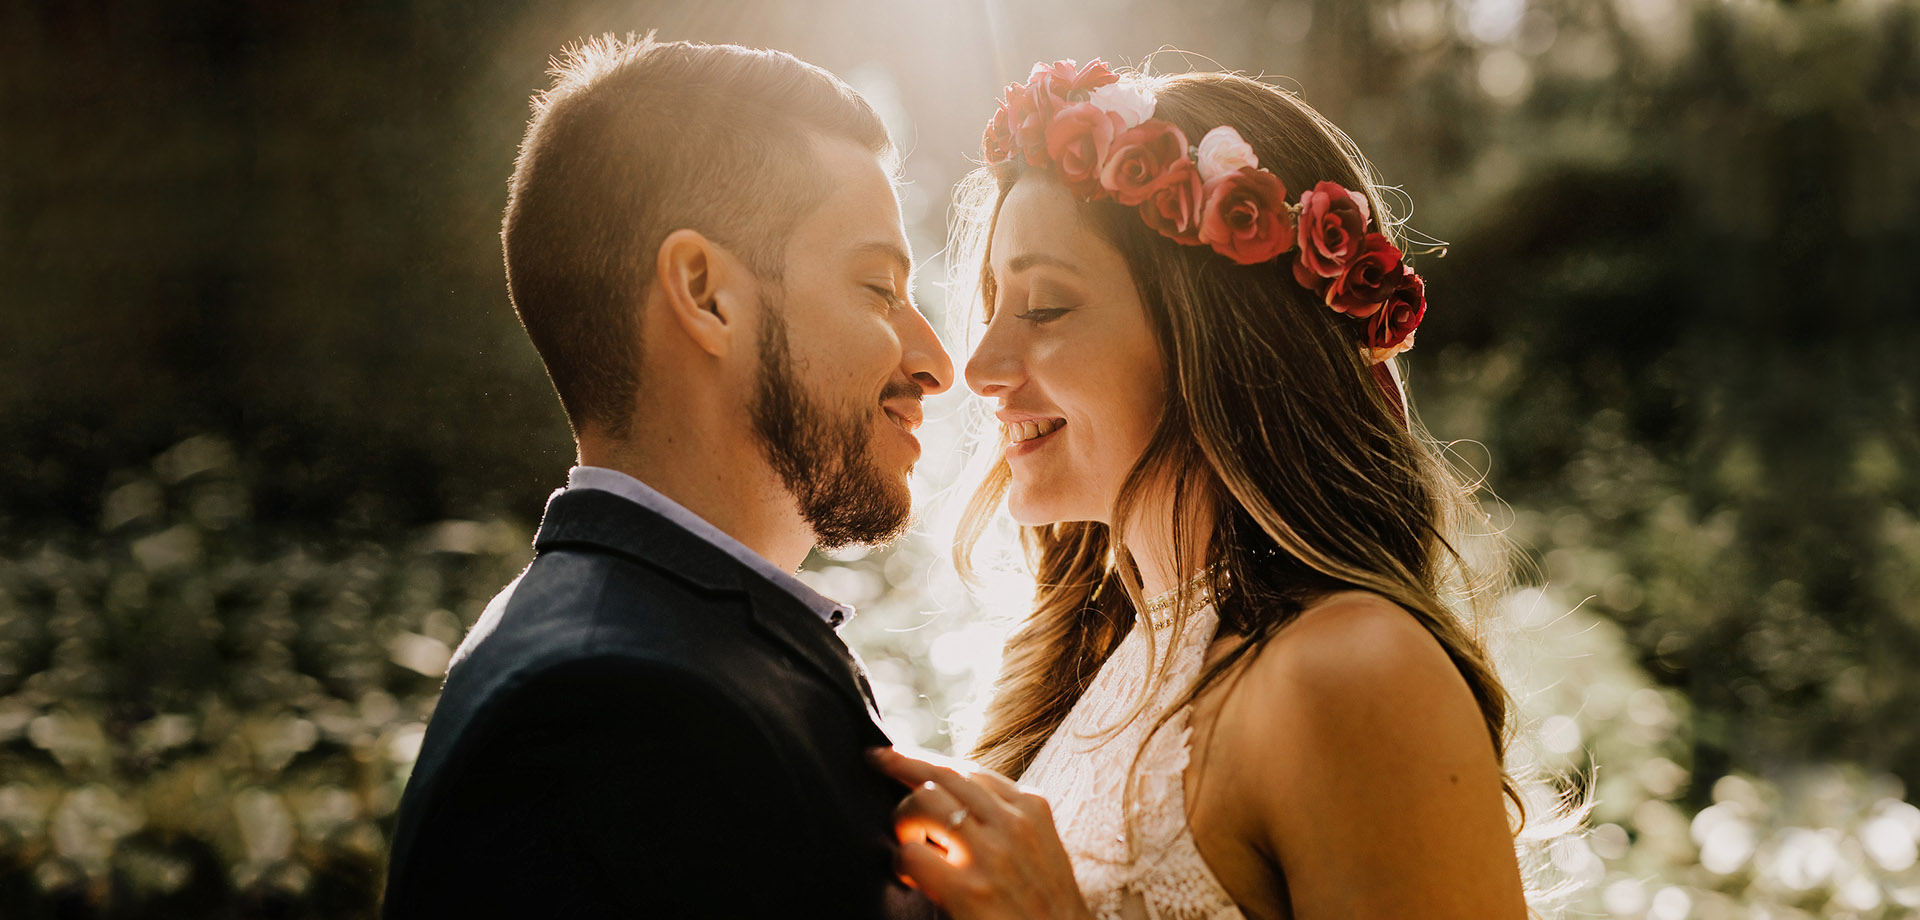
x=1082, y=770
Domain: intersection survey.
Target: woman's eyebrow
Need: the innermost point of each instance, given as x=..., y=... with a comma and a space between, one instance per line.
x=1027, y=260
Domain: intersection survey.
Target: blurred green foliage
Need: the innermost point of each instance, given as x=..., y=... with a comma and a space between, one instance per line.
x=273, y=437
x=203, y=714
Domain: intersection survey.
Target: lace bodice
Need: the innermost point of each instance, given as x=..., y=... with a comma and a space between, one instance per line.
x=1083, y=768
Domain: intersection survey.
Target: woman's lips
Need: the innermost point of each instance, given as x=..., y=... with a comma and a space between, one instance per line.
x=1025, y=437
x=1033, y=429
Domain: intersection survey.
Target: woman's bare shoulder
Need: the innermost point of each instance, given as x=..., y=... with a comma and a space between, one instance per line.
x=1366, y=769
x=1359, y=679
x=1358, y=646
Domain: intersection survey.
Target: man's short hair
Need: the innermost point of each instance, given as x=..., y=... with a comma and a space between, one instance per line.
x=636, y=139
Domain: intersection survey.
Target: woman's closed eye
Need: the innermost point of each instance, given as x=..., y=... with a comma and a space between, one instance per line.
x=1039, y=315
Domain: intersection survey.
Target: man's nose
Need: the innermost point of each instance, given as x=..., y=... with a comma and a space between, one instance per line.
x=925, y=359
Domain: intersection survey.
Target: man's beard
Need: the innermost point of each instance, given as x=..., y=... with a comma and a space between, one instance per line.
x=825, y=458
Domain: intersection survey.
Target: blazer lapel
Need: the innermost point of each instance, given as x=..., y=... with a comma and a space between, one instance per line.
x=781, y=616
x=598, y=518
x=594, y=517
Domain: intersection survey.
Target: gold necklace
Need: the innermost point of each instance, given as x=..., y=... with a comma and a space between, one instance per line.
x=1159, y=607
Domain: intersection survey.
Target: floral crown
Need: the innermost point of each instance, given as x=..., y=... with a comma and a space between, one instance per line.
x=1099, y=135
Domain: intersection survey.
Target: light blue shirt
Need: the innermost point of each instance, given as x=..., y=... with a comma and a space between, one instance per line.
x=633, y=490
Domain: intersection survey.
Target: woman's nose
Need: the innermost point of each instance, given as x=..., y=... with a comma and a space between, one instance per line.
x=993, y=367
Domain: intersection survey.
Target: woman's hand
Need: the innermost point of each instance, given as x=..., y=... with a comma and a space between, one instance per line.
x=978, y=845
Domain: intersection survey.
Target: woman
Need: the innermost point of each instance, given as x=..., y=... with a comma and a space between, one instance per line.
x=1243, y=690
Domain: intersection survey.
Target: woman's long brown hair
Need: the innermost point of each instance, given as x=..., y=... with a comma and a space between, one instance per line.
x=1273, y=422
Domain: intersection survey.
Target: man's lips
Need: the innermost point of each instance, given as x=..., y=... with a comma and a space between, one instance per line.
x=908, y=416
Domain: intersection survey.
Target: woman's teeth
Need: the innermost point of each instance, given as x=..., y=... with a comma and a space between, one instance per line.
x=1027, y=431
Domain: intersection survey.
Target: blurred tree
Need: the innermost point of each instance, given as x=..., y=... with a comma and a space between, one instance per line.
x=273, y=435
x=1687, y=354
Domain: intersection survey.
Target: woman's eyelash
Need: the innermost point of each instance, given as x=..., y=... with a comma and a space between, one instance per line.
x=892, y=299
x=1041, y=314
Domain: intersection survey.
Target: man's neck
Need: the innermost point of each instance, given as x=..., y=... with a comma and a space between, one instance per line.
x=727, y=486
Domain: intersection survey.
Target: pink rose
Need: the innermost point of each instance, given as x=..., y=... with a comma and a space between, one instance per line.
x=1405, y=307
x=1133, y=103
x=1368, y=280
x=1378, y=355
x=1245, y=216
x=1139, y=159
x=1332, y=224
x=1077, y=141
x=1222, y=151
x=1174, y=206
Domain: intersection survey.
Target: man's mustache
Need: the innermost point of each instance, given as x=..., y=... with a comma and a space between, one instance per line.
x=899, y=388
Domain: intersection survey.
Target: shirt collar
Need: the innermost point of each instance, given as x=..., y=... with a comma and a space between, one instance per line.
x=633, y=490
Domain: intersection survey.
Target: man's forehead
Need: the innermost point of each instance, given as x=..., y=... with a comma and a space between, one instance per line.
x=851, y=167
x=894, y=252
x=860, y=217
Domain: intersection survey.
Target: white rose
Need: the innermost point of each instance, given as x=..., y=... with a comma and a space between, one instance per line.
x=1133, y=103
x=1222, y=152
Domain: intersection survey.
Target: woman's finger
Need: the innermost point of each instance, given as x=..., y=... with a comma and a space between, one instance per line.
x=908, y=768
x=929, y=811
x=1011, y=864
x=914, y=771
x=930, y=870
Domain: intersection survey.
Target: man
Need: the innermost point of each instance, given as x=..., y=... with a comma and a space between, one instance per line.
x=656, y=718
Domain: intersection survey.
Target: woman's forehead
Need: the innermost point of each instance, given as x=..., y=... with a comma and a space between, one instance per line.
x=1039, y=222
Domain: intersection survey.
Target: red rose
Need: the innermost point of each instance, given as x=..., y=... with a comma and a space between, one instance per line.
x=1031, y=107
x=1139, y=160
x=1068, y=83
x=1368, y=280
x=1091, y=77
x=1077, y=140
x=997, y=143
x=1047, y=88
x=1052, y=78
x=1406, y=305
x=1332, y=224
x=1174, y=207
x=1245, y=216
x=1028, y=113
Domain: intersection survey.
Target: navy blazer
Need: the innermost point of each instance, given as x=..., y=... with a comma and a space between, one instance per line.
x=652, y=730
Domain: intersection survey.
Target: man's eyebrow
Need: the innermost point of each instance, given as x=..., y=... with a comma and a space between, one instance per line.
x=893, y=252
x=1027, y=260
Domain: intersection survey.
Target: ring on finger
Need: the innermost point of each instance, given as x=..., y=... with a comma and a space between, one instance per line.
x=956, y=819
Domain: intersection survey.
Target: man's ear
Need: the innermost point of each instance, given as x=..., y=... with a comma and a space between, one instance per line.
x=703, y=288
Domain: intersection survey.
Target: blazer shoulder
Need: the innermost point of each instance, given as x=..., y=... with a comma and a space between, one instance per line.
x=585, y=615
x=591, y=578
x=583, y=603
x=615, y=691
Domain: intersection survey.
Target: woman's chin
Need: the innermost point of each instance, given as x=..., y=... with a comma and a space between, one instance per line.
x=1031, y=520
x=1029, y=509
